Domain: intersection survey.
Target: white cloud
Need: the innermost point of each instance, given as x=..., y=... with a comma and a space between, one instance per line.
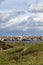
x=11, y=18
x=36, y=7
x=21, y=22
x=1, y=2
x=7, y=15
x=38, y=17
x=14, y=21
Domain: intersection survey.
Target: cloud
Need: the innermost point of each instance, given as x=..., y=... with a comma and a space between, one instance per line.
x=21, y=21
x=36, y=7
x=5, y=16
x=1, y=1
x=10, y=18
x=14, y=21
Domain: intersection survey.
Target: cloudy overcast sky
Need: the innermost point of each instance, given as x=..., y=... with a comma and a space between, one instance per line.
x=21, y=16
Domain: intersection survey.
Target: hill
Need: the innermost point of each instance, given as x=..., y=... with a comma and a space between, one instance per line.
x=21, y=54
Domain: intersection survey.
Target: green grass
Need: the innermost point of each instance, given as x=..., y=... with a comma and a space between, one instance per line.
x=21, y=54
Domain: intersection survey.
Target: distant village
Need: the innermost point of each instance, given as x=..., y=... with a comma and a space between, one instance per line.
x=20, y=38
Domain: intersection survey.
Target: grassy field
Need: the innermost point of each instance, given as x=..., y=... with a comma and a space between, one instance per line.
x=21, y=54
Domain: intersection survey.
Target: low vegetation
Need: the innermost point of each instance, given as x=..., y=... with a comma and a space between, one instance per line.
x=21, y=54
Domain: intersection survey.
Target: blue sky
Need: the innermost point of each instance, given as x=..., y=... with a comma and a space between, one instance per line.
x=17, y=4
x=18, y=16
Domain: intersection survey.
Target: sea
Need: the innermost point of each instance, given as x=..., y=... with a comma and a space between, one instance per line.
x=30, y=41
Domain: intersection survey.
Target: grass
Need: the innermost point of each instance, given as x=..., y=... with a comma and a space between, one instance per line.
x=21, y=54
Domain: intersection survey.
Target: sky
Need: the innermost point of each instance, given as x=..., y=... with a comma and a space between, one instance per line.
x=21, y=17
